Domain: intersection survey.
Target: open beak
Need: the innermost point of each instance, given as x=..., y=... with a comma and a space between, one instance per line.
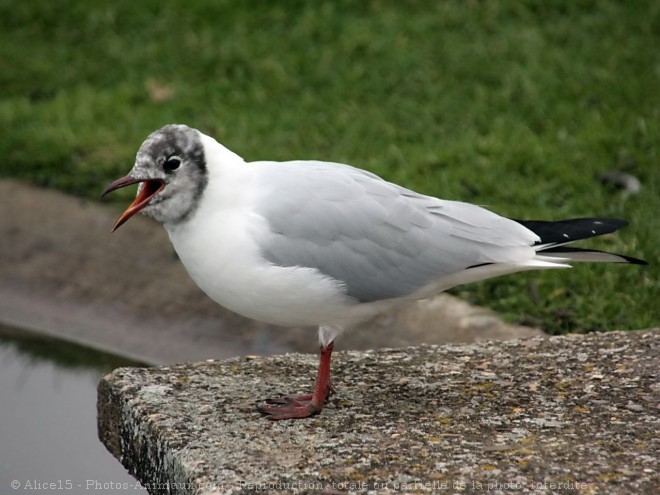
x=149, y=189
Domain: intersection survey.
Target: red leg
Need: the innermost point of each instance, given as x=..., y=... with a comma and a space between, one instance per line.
x=305, y=405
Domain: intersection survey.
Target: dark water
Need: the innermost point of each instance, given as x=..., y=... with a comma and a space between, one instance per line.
x=48, y=436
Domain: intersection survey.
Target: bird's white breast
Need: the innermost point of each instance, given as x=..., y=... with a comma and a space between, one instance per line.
x=219, y=247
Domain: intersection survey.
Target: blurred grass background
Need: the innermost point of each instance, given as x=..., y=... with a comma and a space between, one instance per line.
x=515, y=105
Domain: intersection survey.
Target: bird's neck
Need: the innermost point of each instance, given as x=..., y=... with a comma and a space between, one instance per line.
x=218, y=156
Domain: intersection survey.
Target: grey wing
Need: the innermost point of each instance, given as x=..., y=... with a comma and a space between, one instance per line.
x=378, y=239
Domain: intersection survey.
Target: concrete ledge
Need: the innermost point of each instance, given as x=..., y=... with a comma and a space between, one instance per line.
x=571, y=414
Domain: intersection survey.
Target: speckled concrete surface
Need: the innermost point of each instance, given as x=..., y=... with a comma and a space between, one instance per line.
x=572, y=414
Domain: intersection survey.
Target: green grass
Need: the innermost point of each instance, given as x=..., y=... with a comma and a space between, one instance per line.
x=515, y=105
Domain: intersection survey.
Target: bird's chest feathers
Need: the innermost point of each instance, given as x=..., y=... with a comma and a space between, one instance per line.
x=221, y=253
x=218, y=251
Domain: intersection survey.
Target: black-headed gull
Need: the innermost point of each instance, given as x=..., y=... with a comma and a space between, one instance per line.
x=326, y=244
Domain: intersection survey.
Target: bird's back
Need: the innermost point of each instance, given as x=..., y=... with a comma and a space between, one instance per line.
x=379, y=239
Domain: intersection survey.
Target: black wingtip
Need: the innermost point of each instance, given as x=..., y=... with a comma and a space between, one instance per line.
x=555, y=235
x=574, y=229
x=634, y=261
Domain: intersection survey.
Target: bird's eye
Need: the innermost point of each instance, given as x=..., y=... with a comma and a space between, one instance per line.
x=172, y=163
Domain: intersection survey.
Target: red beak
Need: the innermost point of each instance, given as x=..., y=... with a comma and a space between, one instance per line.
x=150, y=188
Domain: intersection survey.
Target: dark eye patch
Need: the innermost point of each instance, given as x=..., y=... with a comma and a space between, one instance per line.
x=171, y=164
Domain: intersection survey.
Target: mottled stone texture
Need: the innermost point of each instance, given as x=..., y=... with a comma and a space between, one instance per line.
x=570, y=414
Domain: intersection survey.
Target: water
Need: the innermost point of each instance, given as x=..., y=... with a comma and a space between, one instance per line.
x=48, y=435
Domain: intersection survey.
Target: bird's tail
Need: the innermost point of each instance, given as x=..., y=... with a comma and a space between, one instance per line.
x=551, y=253
x=555, y=235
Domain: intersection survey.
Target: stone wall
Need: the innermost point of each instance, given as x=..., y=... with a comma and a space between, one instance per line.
x=570, y=414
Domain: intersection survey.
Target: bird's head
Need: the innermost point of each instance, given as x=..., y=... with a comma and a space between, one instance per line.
x=170, y=168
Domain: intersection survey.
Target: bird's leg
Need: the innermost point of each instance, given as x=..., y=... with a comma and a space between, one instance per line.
x=304, y=405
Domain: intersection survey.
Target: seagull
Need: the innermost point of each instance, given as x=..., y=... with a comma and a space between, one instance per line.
x=314, y=243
